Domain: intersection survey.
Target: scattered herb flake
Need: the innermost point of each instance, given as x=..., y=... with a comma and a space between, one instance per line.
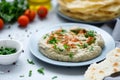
x=91, y=48
x=90, y=34
x=41, y=71
x=65, y=46
x=21, y=76
x=30, y=61
x=45, y=36
x=54, y=77
x=63, y=31
x=80, y=46
x=53, y=41
x=85, y=45
x=30, y=73
x=71, y=55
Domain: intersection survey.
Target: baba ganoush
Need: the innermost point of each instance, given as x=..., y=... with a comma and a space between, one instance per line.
x=72, y=45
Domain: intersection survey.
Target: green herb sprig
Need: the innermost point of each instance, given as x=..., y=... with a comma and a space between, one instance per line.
x=10, y=11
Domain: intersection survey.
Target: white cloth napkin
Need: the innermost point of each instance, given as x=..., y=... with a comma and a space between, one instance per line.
x=116, y=31
x=113, y=28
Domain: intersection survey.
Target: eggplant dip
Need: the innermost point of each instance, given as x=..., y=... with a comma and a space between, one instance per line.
x=71, y=45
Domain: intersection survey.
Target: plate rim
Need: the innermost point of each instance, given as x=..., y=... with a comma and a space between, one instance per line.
x=69, y=64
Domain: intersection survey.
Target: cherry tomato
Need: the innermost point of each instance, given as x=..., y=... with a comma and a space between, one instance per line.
x=30, y=14
x=1, y=24
x=42, y=12
x=23, y=21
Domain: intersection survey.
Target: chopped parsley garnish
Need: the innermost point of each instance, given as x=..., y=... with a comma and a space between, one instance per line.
x=63, y=31
x=30, y=73
x=65, y=46
x=90, y=34
x=30, y=61
x=71, y=55
x=80, y=46
x=53, y=41
x=61, y=50
x=85, y=45
x=7, y=51
x=76, y=31
x=54, y=77
x=41, y=71
x=57, y=48
x=45, y=36
x=91, y=48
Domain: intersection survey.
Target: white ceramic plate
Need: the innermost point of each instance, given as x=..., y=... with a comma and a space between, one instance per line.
x=109, y=44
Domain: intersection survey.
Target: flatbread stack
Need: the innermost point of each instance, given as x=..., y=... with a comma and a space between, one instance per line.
x=90, y=10
x=105, y=68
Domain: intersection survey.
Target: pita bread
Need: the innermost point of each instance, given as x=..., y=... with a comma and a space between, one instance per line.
x=90, y=10
x=105, y=68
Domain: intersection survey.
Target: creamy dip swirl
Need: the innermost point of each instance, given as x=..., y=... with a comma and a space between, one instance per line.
x=76, y=44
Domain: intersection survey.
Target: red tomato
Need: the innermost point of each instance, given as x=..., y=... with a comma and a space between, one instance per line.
x=30, y=14
x=42, y=12
x=1, y=24
x=23, y=21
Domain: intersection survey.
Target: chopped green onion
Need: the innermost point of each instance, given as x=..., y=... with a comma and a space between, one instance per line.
x=85, y=45
x=80, y=46
x=76, y=31
x=7, y=51
x=41, y=71
x=45, y=36
x=30, y=61
x=30, y=73
x=54, y=77
x=91, y=48
x=71, y=55
x=63, y=31
x=65, y=46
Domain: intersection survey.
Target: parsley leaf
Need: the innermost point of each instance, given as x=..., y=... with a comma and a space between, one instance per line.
x=53, y=40
x=10, y=11
x=65, y=46
x=41, y=71
x=90, y=34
